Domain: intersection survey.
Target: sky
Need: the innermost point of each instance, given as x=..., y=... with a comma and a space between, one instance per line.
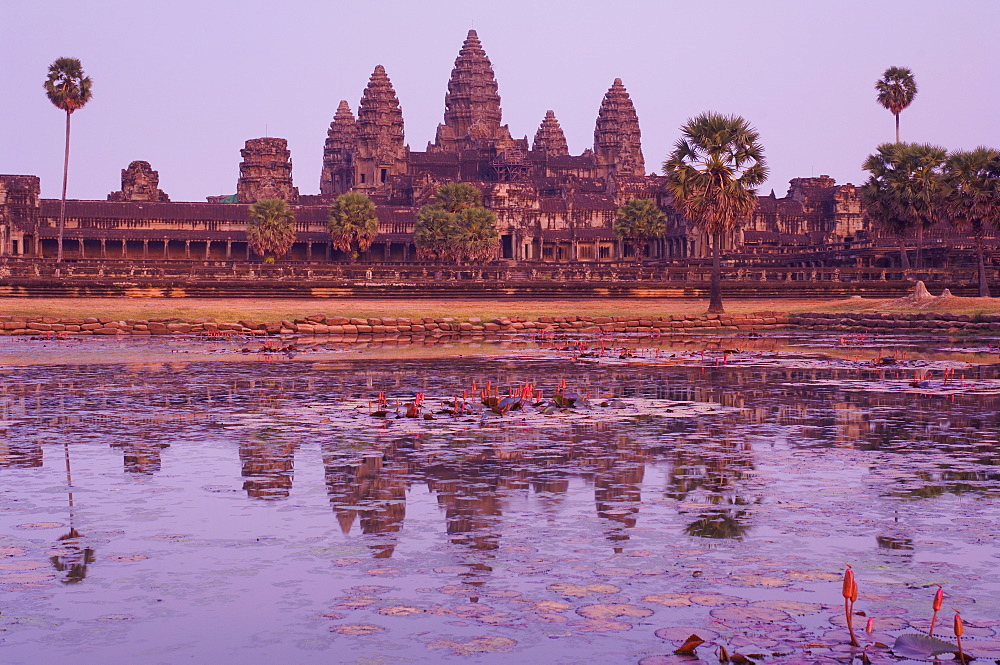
x=184, y=84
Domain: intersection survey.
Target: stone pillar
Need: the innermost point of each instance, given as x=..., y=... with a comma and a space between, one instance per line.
x=229, y=250
x=145, y=249
x=208, y=249
x=79, y=243
x=309, y=251
x=187, y=249
x=104, y=248
x=406, y=252
x=166, y=248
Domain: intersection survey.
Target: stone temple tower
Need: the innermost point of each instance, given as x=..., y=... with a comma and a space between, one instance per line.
x=381, y=151
x=338, y=154
x=472, y=111
x=550, y=138
x=617, y=141
x=266, y=172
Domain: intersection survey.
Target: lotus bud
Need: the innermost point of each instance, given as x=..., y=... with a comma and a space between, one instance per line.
x=848, y=582
x=870, y=626
x=854, y=593
x=959, y=628
x=938, y=599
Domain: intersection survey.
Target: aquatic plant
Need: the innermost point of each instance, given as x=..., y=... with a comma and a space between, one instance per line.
x=938, y=601
x=849, y=591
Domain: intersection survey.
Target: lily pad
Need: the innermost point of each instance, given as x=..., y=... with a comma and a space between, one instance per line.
x=922, y=647
x=613, y=611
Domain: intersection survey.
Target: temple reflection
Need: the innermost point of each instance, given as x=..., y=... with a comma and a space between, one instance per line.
x=268, y=464
x=141, y=455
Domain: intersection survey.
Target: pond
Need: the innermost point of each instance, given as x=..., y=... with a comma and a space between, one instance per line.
x=174, y=499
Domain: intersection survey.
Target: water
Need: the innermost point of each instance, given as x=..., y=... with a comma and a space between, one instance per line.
x=227, y=505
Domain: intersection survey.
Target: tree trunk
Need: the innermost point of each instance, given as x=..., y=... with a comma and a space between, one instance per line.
x=62, y=201
x=984, y=287
x=897, y=128
x=904, y=260
x=920, y=246
x=715, y=300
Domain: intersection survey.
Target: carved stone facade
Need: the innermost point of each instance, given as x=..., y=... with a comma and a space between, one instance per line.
x=338, y=153
x=139, y=183
x=551, y=205
x=381, y=152
x=266, y=172
x=549, y=138
x=617, y=140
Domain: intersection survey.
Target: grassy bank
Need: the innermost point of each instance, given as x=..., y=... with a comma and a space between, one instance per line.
x=277, y=309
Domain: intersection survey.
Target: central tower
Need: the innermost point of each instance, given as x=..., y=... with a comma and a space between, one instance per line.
x=472, y=112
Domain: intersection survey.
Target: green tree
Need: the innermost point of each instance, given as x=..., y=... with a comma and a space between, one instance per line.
x=712, y=174
x=435, y=233
x=457, y=227
x=906, y=187
x=638, y=221
x=353, y=223
x=478, y=239
x=68, y=88
x=972, y=199
x=895, y=91
x=271, y=228
x=457, y=196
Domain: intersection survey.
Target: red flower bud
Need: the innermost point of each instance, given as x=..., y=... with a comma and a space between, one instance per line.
x=848, y=582
x=854, y=593
x=870, y=626
x=958, y=625
x=938, y=599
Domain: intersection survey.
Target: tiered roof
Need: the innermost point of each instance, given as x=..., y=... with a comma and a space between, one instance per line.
x=617, y=140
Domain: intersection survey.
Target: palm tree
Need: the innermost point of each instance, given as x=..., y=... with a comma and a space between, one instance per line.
x=639, y=220
x=478, y=238
x=435, y=232
x=68, y=88
x=973, y=198
x=271, y=228
x=896, y=90
x=882, y=203
x=353, y=223
x=713, y=173
x=905, y=189
x=457, y=196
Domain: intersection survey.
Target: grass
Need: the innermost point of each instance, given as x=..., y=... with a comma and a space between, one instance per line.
x=269, y=309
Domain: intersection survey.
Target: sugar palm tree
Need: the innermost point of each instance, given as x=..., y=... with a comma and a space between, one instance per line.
x=435, y=232
x=713, y=174
x=68, y=88
x=639, y=220
x=457, y=196
x=271, y=228
x=478, y=238
x=905, y=190
x=896, y=90
x=353, y=223
x=972, y=200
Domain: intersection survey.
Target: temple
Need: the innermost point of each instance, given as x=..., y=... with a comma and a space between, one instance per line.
x=551, y=206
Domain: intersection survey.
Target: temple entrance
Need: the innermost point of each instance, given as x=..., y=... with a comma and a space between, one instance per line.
x=507, y=246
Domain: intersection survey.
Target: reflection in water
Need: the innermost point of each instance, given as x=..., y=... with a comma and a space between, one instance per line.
x=267, y=464
x=141, y=456
x=949, y=444
x=72, y=557
x=372, y=488
x=714, y=472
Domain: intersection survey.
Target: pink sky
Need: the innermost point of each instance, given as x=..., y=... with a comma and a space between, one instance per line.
x=184, y=84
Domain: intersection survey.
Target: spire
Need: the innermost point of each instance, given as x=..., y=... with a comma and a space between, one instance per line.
x=380, y=148
x=338, y=154
x=550, y=138
x=617, y=140
x=472, y=103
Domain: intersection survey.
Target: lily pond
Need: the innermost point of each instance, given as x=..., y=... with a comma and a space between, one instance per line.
x=570, y=500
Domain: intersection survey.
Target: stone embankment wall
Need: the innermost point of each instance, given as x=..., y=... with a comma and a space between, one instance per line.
x=859, y=322
x=341, y=325
x=867, y=322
